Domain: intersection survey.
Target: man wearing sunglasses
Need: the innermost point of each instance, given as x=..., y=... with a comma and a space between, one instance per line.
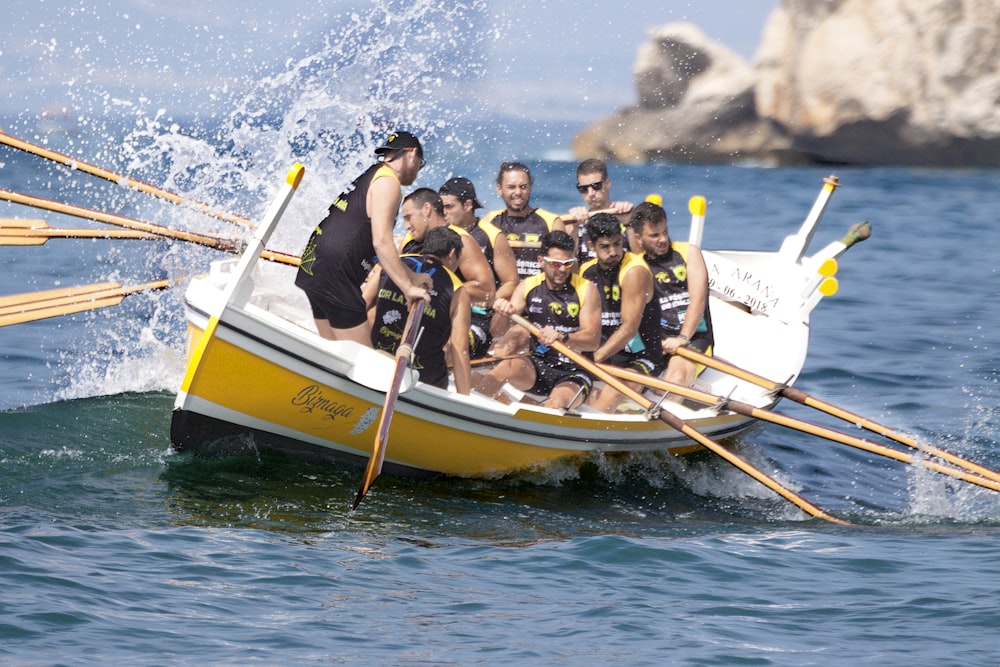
x=630, y=309
x=564, y=307
x=343, y=248
x=593, y=184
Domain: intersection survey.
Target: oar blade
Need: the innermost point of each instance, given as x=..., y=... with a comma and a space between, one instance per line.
x=21, y=232
x=403, y=355
x=33, y=306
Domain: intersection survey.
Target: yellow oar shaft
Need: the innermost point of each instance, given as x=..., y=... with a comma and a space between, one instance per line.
x=678, y=424
x=142, y=186
x=803, y=426
x=802, y=397
x=218, y=242
x=38, y=233
x=20, y=308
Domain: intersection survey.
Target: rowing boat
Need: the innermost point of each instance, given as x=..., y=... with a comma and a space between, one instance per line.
x=259, y=377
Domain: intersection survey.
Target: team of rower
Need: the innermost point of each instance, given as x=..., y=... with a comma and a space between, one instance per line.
x=605, y=280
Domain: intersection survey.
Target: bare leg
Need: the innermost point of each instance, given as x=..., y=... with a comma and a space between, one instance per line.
x=562, y=394
x=520, y=373
x=680, y=371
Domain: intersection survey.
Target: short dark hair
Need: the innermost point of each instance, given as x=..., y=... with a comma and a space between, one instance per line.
x=422, y=196
x=513, y=166
x=603, y=225
x=646, y=213
x=593, y=166
x=557, y=239
x=440, y=241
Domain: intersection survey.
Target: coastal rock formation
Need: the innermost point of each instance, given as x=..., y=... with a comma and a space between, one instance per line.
x=852, y=81
x=696, y=104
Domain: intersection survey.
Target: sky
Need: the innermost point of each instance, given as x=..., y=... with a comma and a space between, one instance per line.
x=544, y=60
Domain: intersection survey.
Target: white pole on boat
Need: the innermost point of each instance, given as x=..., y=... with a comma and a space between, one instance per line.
x=697, y=207
x=794, y=246
x=234, y=292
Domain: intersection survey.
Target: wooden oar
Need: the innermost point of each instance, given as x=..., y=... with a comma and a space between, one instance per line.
x=590, y=214
x=494, y=360
x=802, y=397
x=19, y=308
x=120, y=179
x=403, y=355
x=209, y=240
x=680, y=425
x=790, y=422
x=515, y=243
x=37, y=232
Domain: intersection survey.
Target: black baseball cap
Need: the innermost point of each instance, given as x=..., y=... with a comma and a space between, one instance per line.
x=462, y=188
x=398, y=141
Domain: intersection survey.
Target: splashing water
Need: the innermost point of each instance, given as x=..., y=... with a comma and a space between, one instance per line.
x=399, y=65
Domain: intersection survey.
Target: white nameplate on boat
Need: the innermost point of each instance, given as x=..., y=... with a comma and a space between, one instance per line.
x=734, y=282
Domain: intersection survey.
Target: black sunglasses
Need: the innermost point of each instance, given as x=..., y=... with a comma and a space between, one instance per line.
x=598, y=186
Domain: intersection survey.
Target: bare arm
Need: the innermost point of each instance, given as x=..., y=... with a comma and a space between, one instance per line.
x=383, y=203
x=477, y=272
x=697, y=280
x=588, y=336
x=505, y=267
x=637, y=289
x=459, y=341
x=369, y=291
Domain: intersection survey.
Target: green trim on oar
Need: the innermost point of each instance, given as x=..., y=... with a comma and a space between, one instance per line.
x=680, y=425
x=20, y=308
x=802, y=397
x=748, y=410
x=403, y=355
x=120, y=179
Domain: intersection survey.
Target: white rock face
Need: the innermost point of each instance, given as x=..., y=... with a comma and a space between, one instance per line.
x=885, y=80
x=696, y=104
x=854, y=81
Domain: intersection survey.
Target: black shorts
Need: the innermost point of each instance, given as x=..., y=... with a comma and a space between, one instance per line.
x=637, y=363
x=338, y=316
x=480, y=338
x=548, y=375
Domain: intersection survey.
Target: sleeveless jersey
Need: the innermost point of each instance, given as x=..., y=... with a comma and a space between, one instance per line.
x=557, y=308
x=527, y=229
x=647, y=339
x=391, y=313
x=485, y=234
x=670, y=279
x=340, y=253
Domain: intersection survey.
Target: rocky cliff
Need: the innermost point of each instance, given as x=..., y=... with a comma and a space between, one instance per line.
x=844, y=81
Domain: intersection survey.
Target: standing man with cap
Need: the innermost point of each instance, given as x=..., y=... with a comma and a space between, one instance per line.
x=460, y=204
x=357, y=232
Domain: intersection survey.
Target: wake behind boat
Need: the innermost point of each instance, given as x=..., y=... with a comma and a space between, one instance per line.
x=260, y=377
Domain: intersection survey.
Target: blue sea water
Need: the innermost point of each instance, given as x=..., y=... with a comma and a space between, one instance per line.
x=115, y=550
